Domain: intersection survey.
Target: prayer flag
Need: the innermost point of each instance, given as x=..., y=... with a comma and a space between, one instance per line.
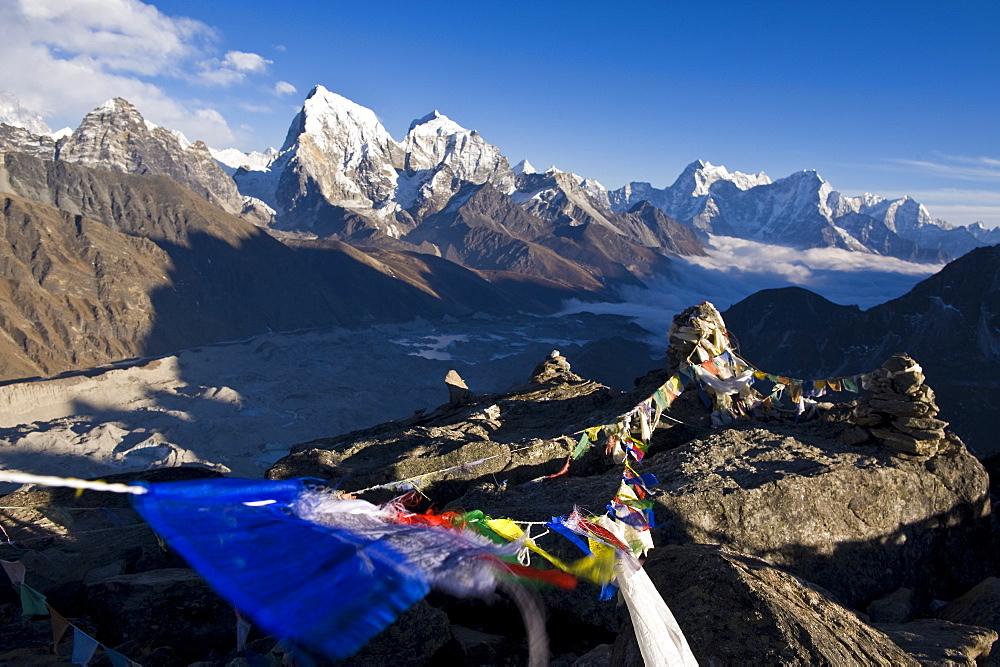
x=15, y=570
x=116, y=658
x=582, y=446
x=83, y=647
x=59, y=627
x=32, y=602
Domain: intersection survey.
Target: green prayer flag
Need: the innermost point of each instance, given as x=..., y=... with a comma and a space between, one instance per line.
x=32, y=602
x=476, y=520
x=660, y=397
x=582, y=446
x=849, y=385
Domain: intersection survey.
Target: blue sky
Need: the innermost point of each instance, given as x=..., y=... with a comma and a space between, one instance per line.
x=888, y=97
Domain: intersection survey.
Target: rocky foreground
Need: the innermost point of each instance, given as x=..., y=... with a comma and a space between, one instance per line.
x=779, y=540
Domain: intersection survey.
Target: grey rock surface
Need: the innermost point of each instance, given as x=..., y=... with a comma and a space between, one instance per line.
x=736, y=609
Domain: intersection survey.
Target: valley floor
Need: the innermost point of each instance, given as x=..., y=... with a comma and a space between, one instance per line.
x=238, y=407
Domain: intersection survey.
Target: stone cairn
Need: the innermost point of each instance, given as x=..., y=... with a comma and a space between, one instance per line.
x=899, y=411
x=555, y=367
x=698, y=332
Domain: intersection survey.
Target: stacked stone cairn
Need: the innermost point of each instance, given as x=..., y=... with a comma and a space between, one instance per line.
x=899, y=411
x=555, y=368
x=698, y=333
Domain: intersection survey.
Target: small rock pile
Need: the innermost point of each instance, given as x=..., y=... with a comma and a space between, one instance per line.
x=899, y=411
x=699, y=331
x=554, y=368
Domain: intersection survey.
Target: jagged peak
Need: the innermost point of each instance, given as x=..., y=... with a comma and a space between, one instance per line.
x=436, y=123
x=699, y=176
x=115, y=105
x=322, y=104
x=329, y=118
x=523, y=167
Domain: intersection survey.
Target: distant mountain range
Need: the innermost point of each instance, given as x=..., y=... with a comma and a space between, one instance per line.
x=339, y=173
x=124, y=238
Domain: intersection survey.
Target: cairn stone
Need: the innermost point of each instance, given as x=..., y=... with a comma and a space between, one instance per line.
x=556, y=368
x=899, y=411
x=458, y=391
x=698, y=333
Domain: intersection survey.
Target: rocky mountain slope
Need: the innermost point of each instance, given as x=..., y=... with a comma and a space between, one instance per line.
x=103, y=266
x=949, y=322
x=115, y=137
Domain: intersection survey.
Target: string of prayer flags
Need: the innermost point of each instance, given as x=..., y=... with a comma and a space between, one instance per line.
x=34, y=603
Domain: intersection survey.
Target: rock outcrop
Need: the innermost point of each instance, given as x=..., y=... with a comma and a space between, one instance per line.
x=950, y=323
x=770, y=617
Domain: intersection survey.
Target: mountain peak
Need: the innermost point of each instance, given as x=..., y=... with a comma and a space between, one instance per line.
x=524, y=167
x=436, y=123
x=12, y=112
x=699, y=176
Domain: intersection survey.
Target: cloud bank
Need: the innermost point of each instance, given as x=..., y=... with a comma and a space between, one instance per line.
x=734, y=269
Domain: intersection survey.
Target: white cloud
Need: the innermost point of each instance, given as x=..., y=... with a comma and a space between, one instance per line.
x=246, y=62
x=961, y=167
x=284, y=88
x=735, y=269
x=233, y=68
x=65, y=57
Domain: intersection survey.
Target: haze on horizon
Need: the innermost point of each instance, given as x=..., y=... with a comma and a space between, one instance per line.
x=894, y=99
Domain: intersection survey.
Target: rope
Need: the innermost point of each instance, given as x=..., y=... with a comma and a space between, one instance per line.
x=69, y=482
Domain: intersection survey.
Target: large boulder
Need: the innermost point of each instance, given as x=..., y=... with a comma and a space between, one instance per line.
x=735, y=609
x=856, y=520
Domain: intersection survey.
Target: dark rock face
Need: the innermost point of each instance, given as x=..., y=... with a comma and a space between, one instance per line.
x=979, y=606
x=934, y=642
x=855, y=520
x=131, y=607
x=737, y=610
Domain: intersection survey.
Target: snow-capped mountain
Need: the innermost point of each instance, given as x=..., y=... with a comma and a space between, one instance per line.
x=231, y=159
x=115, y=137
x=13, y=113
x=340, y=173
x=440, y=156
x=689, y=194
x=801, y=210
